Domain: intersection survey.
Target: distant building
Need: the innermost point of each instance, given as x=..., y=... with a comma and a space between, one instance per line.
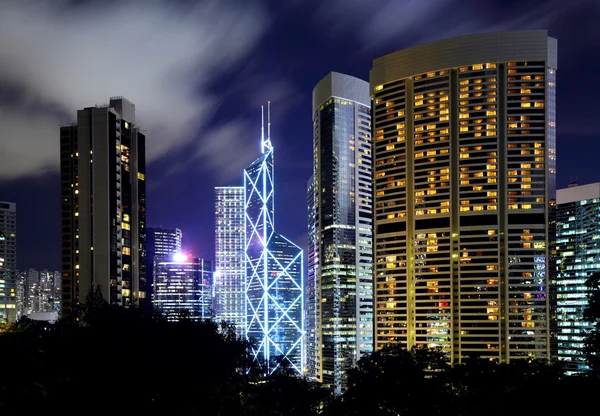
x=230, y=271
x=464, y=160
x=103, y=205
x=8, y=261
x=274, y=275
x=341, y=273
x=160, y=242
x=38, y=292
x=183, y=285
x=578, y=247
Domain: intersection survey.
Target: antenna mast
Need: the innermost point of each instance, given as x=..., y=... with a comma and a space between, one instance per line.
x=269, y=122
x=262, y=128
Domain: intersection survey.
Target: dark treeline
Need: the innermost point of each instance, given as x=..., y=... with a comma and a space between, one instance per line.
x=117, y=361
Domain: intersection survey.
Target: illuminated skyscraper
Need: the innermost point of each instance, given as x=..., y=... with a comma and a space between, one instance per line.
x=464, y=177
x=8, y=261
x=230, y=267
x=341, y=268
x=274, y=294
x=161, y=242
x=578, y=246
x=103, y=204
x=183, y=285
x=312, y=300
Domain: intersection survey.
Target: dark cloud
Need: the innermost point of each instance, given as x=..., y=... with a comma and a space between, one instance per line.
x=60, y=56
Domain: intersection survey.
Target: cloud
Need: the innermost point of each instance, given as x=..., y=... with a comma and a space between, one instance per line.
x=231, y=147
x=57, y=58
x=377, y=23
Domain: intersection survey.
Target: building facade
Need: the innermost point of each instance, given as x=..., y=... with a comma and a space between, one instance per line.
x=464, y=193
x=230, y=268
x=160, y=242
x=342, y=277
x=578, y=247
x=312, y=301
x=103, y=205
x=183, y=286
x=274, y=275
x=8, y=262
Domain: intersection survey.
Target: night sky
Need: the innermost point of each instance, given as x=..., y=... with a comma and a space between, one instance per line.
x=198, y=73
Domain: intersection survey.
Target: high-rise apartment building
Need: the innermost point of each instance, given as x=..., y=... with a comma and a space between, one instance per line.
x=578, y=247
x=230, y=266
x=274, y=275
x=183, y=285
x=160, y=242
x=464, y=194
x=103, y=201
x=8, y=261
x=342, y=221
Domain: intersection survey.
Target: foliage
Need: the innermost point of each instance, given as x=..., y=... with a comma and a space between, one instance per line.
x=111, y=360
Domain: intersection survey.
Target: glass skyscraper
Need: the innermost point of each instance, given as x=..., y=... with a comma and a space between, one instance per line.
x=464, y=163
x=340, y=230
x=578, y=247
x=229, y=304
x=161, y=242
x=274, y=277
x=183, y=284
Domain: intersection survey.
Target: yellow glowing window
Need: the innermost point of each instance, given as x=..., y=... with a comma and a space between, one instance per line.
x=126, y=226
x=379, y=88
x=539, y=104
x=126, y=217
x=465, y=209
x=141, y=176
x=491, y=193
x=389, y=147
x=477, y=67
x=525, y=105
x=513, y=206
x=126, y=251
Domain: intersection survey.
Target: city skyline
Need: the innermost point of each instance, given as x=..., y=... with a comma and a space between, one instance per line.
x=176, y=175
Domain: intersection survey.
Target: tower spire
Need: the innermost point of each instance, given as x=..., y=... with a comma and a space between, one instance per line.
x=265, y=144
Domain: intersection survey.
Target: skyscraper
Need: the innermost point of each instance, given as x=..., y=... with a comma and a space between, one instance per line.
x=342, y=228
x=312, y=300
x=274, y=278
x=8, y=261
x=464, y=177
x=230, y=266
x=160, y=242
x=103, y=201
x=183, y=284
x=578, y=246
